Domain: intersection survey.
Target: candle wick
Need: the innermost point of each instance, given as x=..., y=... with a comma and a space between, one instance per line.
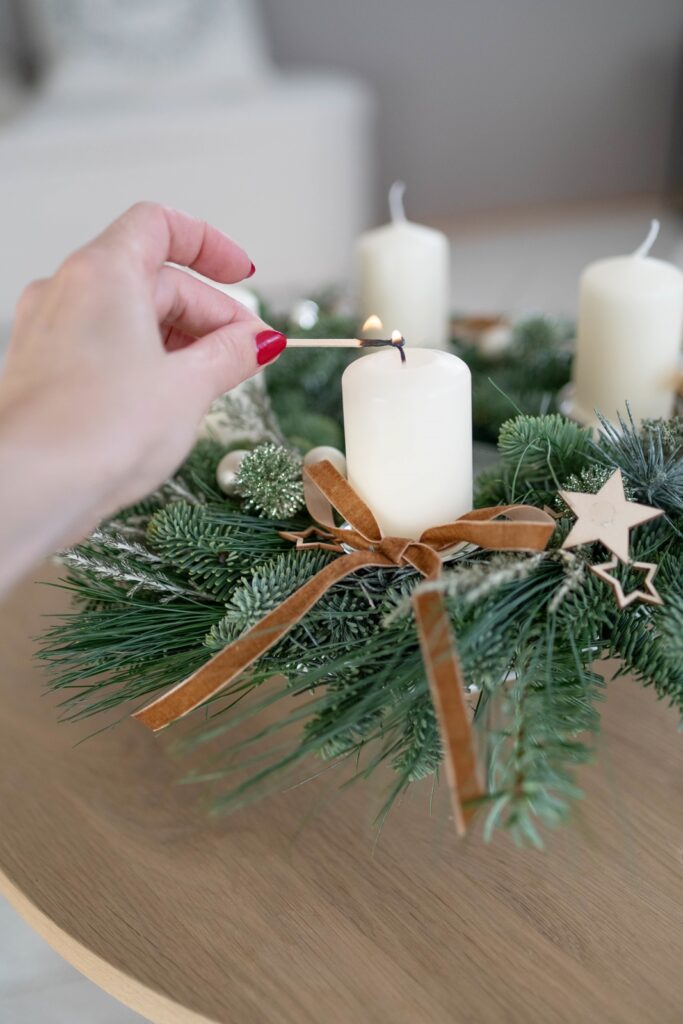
x=385, y=343
x=396, y=208
x=644, y=249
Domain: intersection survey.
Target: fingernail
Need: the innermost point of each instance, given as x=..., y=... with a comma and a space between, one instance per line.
x=269, y=345
x=252, y=271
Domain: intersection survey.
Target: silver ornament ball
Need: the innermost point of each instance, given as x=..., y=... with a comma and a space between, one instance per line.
x=326, y=451
x=228, y=468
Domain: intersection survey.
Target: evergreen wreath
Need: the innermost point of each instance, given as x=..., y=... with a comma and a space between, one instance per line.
x=168, y=582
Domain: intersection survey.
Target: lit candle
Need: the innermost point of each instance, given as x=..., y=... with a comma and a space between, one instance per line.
x=403, y=272
x=629, y=336
x=408, y=429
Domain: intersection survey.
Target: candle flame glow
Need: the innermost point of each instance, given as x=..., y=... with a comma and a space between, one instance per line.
x=373, y=323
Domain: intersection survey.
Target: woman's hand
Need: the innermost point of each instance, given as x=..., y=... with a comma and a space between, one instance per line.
x=112, y=363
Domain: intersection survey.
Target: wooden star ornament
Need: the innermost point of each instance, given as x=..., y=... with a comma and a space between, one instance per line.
x=606, y=517
x=647, y=593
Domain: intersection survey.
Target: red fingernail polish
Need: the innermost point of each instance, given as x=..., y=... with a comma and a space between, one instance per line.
x=252, y=271
x=269, y=344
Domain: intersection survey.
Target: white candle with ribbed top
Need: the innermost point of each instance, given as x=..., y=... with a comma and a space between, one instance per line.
x=408, y=429
x=629, y=336
x=403, y=272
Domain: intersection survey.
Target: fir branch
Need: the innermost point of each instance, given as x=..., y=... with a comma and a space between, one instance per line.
x=537, y=746
x=647, y=461
x=264, y=591
x=185, y=536
x=542, y=451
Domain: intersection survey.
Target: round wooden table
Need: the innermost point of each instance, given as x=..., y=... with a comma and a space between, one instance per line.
x=288, y=913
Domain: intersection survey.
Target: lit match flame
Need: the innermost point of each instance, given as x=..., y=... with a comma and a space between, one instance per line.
x=373, y=323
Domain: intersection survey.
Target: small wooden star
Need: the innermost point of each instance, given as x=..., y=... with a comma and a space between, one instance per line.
x=606, y=516
x=324, y=541
x=648, y=594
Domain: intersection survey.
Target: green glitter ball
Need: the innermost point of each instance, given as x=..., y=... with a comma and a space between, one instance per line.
x=270, y=481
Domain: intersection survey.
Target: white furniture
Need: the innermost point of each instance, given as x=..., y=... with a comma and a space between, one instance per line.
x=286, y=168
x=179, y=102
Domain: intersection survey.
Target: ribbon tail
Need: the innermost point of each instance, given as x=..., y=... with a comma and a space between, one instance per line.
x=446, y=682
x=225, y=666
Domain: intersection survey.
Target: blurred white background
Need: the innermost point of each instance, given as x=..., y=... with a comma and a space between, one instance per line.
x=284, y=122
x=540, y=134
x=497, y=104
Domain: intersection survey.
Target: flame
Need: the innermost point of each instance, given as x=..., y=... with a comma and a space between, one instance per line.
x=373, y=323
x=396, y=337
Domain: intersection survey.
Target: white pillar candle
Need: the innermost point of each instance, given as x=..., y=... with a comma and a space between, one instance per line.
x=240, y=294
x=408, y=429
x=629, y=336
x=403, y=276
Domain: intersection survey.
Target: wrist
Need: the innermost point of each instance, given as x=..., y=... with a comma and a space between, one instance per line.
x=51, y=483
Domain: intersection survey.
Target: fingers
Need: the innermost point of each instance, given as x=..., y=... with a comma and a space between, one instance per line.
x=28, y=299
x=152, y=234
x=226, y=357
x=188, y=308
x=192, y=307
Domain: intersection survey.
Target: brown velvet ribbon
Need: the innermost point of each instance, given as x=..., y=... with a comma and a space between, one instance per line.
x=500, y=528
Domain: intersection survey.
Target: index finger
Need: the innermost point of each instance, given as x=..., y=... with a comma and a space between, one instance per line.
x=156, y=234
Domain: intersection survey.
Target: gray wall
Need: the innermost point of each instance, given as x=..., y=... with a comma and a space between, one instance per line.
x=19, y=53
x=488, y=103
x=491, y=103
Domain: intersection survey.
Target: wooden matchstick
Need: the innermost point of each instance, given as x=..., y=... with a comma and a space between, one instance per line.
x=348, y=343
x=324, y=343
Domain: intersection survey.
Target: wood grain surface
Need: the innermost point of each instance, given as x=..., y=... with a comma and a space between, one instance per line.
x=289, y=913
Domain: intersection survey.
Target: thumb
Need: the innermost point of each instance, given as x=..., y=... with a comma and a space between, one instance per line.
x=232, y=353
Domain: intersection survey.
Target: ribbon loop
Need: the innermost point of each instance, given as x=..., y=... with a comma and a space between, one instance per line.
x=336, y=492
x=425, y=559
x=394, y=548
x=524, y=528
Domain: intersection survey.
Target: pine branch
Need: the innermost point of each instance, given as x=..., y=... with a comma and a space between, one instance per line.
x=132, y=572
x=651, y=464
x=649, y=641
x=134, y=643
x=538, y=746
